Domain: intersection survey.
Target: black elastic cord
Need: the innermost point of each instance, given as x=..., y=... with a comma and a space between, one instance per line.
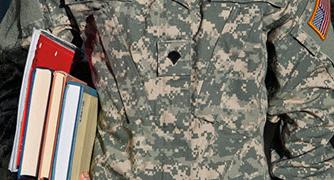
x=75, y=30
x=80, y=68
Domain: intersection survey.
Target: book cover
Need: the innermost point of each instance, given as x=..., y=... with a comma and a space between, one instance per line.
x=47, y=53
x=74, y=123
x=69, y=116
x=36, y=113
x=52, y=121
x=83, y=140
x=13, y=163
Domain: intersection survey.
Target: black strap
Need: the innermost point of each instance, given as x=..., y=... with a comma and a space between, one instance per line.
x=80, y=68
x=75, y=30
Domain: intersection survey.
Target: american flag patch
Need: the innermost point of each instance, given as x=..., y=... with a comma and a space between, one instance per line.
x=320, y=18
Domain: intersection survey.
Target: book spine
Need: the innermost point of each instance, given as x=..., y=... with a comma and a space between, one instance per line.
x=52, y=175
x=47, y=122
x=25, y=107
x=58, y=121
x=58, y=135
x=24, y=117
x=24, y=130
x=78, y=117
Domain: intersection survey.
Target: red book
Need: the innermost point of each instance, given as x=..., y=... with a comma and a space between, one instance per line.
x=50, y=54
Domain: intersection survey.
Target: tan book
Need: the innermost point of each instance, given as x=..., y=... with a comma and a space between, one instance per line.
x=37, y=110
x=76, y=132
x=85, y=136
x=52, y=121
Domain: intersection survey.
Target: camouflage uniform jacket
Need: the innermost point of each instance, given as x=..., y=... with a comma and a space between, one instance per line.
x=182, y=86
x=183, y=93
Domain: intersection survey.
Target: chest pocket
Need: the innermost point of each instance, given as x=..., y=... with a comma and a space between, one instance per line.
x=231, y=33
x=231, y=63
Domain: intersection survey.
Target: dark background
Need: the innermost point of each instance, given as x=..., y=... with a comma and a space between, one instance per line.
x=3, y=7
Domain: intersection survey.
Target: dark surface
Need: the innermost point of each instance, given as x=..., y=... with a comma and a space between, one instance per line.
x=4, y=4
x=11, y=71
x=12, y=62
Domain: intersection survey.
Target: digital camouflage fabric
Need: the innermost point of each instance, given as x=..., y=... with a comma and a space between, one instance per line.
x=304, y=69
x=182, y=89
x=202, y=117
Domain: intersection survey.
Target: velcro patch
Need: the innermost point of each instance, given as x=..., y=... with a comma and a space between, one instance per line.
x=320, y=18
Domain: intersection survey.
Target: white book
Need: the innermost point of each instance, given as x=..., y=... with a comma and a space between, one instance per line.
x=66, y=131
x=24, y=87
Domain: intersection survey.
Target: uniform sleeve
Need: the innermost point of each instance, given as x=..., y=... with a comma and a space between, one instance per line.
x=111, y=158
x=303, y=98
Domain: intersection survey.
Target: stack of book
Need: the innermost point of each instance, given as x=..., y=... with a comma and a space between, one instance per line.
x=57, y=114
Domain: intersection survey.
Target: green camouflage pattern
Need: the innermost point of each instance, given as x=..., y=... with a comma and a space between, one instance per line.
x=305, y=74
x=166, y=121
x=202, y=117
